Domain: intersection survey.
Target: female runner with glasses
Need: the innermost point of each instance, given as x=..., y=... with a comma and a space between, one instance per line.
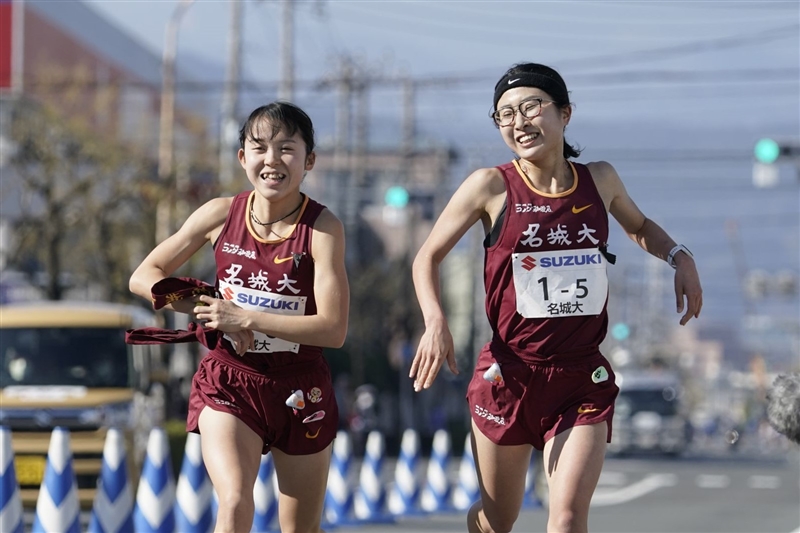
x=541, y=381
x=283, y=296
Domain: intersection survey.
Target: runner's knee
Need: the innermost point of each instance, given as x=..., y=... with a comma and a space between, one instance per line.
x=493, y=521
x=567, y=521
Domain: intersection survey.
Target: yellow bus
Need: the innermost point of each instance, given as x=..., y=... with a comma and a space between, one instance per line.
x=66, y=364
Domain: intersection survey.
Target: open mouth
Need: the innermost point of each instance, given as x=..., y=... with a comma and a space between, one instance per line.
x=274, y=177
x=528, y=138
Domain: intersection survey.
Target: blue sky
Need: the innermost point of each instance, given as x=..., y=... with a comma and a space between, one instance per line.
x=705, y=64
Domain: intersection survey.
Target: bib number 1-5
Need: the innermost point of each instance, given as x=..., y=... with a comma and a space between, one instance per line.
x=560, y=283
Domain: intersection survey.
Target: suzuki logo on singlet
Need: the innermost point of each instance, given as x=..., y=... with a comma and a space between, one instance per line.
x=227, y=293
x=267, y=302
x=529, y=263
x=570, y=260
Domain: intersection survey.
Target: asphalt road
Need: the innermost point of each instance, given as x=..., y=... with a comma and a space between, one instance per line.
x=730, y=494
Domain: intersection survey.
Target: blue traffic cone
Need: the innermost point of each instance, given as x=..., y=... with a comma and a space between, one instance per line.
x=404, y=496
x=112, y=511
x=467, y=491
x=57, y=509
x=155, y=498
x=531, y=500
x=194, y=491
x=370, y=498
x=11, y=518
x=339, y=493
x=437, y=488
x=265, y=496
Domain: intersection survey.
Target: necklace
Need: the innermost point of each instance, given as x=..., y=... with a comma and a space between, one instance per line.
x=254, y=218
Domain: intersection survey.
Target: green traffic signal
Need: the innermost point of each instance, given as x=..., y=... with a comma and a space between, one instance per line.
x=396, y=196
x=767, y=151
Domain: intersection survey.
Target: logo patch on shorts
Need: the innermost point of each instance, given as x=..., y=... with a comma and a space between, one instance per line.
x=600, y=375
x=313, y=417
x=315, y=435
x=315, y=395
x=582, y=410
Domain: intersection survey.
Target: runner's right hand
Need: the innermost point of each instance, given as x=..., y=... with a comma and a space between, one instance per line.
x=435, y=346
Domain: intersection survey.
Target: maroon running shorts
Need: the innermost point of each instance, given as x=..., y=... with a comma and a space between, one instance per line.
x=259, y=400
x=537, y=401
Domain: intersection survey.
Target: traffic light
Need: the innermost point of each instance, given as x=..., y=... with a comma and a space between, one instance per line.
x=620, y=331
x=768, y=151
x=396, y=196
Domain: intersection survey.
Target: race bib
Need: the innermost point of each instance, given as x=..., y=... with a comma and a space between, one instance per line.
x=560, y=283
x=266, y=302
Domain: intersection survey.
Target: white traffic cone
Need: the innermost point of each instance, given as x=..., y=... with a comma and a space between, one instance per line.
x=194, y=492
x=467, y=491
x=339, y=494
x=58, y=509
x=404, y=496
x=112, y=511
x=155, y=497
x=370, y=498
x=437, y=488
x=265, y=496
x=11, y=519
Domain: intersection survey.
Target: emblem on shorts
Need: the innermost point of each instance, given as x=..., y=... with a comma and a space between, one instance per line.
x=315, y=435
x=493, y=375
x=314, y=417
x=315, y=395
x=600, y=375
x=296, y=400
x=582, y=410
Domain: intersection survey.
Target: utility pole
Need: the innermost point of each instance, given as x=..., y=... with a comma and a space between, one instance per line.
x=230, y=97
x=409, y=119
x=286, y=89
x=341, y=149
x=166, y=148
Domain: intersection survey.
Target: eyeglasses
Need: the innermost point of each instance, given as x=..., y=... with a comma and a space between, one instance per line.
x=529, y=108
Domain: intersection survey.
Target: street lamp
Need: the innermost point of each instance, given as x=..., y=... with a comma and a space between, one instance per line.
x=167, y=117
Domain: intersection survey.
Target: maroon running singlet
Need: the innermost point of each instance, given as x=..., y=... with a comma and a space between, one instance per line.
x=546, y=294
x=271, y=276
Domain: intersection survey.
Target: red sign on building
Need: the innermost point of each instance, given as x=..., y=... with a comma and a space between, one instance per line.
x=8, y=39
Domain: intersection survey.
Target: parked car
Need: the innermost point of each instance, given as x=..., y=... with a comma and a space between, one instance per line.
x=649, y=415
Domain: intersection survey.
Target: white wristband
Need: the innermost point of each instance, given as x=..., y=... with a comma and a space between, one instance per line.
x=674, y=251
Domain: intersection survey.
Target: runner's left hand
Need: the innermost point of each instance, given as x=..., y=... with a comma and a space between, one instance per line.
x=687, y=286
x=219, y=314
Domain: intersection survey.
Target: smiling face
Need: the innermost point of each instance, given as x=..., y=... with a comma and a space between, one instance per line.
x=275, y=161
x=539, y=137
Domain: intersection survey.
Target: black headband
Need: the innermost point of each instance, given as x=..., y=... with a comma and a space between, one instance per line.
x=552, y=86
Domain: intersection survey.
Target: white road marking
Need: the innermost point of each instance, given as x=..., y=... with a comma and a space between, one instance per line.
x=604, y=497
x=616, y=479
x=764, y=482
x=712, y=481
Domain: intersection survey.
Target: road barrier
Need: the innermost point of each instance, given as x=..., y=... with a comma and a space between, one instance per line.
x=467, y=490
x=57, y=509
x=11, y=518
x=404, y=495
x=112, y=511
x=265, y=496
x=370, y=498
x=339, y=493
x=189, y=507
x=437, y=488
x=155, y=497
x=193, y=494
